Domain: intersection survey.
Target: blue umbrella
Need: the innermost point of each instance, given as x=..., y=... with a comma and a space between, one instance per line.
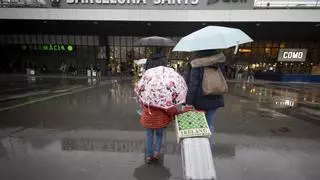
x=212, y=37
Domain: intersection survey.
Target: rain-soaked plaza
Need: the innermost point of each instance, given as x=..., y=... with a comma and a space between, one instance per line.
x=79, y=129
x=70, y=101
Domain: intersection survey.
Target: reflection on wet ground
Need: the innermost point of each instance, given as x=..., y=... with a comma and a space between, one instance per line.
x=95, y=134
x=101, y=107
x=279, y=94
x=301, y=100
x=97, y=154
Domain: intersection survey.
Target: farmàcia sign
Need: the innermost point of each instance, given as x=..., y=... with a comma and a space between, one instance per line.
x=49, y=47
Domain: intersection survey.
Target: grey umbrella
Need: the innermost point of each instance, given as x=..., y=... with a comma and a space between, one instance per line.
x=155, y=41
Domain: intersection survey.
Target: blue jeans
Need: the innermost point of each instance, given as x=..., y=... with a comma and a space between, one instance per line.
x=150, y=138
x=210, y=116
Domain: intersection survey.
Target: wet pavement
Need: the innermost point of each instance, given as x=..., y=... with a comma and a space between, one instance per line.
x=18, y=87
x=23, y=89
x=11, y=85
x=95, y=134
x=298, y=100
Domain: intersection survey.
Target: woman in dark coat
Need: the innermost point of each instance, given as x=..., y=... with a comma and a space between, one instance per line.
x=195, y=96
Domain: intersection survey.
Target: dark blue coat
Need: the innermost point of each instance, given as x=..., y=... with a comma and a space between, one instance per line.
x=195, y=94
x=155, y=61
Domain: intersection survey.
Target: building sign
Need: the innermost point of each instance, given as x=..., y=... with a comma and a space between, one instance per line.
x=298, y=55
x=135, y=4
x=49, y=48
x=285, y=4
x=55, y=3
x=23, y=3
x=226, y=1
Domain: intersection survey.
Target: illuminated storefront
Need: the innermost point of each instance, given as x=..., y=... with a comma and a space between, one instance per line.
x=123, y=52
x=116, y=56
x=264, y=56
x=50, y=50
x=119, y=52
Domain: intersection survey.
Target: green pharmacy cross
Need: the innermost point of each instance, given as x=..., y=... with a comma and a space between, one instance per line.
x=70, y=48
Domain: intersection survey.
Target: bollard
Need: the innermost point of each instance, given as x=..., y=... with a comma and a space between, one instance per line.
x=197, y=160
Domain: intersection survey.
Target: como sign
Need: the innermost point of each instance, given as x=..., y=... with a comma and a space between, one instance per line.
x=293, y=55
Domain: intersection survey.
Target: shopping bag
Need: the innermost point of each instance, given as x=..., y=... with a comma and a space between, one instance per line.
x=213, y=82
x=191, y=124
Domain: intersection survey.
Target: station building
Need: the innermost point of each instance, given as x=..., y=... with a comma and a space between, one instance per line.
x=83, y=32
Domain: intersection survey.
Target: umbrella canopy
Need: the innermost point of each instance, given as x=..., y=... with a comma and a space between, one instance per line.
x=212, y=37
x=155, y=41
x=140, y=61
x=161, y=87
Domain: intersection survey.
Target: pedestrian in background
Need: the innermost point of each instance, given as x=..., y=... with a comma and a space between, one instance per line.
x=63, y=68
x=250, y=77
x=233, y=72
x=240, y=73
x=98, y=69
x=44, y=69
x=157, y=59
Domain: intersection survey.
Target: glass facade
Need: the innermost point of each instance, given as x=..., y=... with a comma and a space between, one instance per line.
x=21, y=51
x=262, y=55
x=116, y=54
x=123, y=52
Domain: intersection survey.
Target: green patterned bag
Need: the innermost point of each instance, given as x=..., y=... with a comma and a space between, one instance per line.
x=192, y=124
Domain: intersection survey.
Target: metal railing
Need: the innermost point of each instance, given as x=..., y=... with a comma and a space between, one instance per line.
x=287, y=4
